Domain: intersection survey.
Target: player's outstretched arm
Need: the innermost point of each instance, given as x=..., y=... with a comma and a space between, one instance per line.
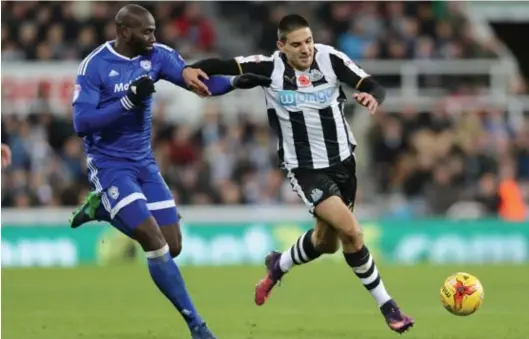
x=256, y=64
x=216, y=66
x=250, y=72
x=175, y=70
x=216, y=85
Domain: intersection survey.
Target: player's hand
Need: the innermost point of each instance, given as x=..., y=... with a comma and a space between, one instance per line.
x=200, y=94
x=366, y=100
x=6, y=156
x=193, y=78
x=250, y=80
x=140, y=89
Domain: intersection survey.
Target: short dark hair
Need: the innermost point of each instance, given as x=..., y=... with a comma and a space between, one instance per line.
x=290, y=23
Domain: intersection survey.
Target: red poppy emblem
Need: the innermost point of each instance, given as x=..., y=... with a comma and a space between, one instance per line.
x=304, y=80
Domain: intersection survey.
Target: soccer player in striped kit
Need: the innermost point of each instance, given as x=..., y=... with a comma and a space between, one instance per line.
x=316, y=148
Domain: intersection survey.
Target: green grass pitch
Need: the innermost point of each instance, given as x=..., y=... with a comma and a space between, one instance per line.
x=318, y=301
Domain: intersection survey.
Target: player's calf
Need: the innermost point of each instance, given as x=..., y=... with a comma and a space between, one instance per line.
x=166, y=275
x=303, y=251
x=135, y=220
x=325, y=238
x=359, y=258
x=334, y=211
x=365, y=269
x=310, y=246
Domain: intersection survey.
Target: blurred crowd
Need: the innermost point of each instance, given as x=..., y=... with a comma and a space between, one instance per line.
x=434, y=160
x=62, y=30
x=424, y=162
x=57, y=30
x=378, y=30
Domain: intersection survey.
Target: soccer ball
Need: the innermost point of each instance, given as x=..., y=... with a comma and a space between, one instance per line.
x=462, y=294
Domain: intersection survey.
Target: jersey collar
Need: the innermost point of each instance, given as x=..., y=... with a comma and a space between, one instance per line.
x=108, y=45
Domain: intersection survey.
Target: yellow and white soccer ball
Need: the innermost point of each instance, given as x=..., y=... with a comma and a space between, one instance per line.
x=462, y=294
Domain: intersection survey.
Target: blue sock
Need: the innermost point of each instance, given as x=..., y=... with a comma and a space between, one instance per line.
x=167, y=277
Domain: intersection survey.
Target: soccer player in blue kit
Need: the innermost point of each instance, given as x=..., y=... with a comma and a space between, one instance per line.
x=112, y=112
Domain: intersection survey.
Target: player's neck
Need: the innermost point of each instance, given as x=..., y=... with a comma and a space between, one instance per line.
x=123, y=49
x=297, y=68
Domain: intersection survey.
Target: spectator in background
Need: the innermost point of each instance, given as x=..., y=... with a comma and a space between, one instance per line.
x=183, y=151
x=512, y=205
x=442, y=192
x=340, y=14
x=212, y=129
x=28, y=40
x=522, y=151
x=424, y=48
x=387, y=146
x=6, y=156
x=268, y=34
x=426, y=17
x=87, y=40
x=5, y=150
x=355, y=42
x=487, y=193
x=369, y=17
x=196, y=28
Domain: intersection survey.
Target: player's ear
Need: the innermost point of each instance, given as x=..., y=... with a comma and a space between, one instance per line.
x=126, y=33
x=280, y=45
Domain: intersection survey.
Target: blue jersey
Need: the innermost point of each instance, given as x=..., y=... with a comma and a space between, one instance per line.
x=113, y=129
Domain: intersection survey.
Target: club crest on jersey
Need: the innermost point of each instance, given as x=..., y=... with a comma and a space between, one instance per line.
x=315, y=75
x=113, y=192
x=146, y=65
x=303, y=81
x=76, y=91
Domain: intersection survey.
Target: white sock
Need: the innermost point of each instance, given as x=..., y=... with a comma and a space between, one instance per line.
x=300, y=253
x=286, y=262
x=369, y=277
x=380, y=294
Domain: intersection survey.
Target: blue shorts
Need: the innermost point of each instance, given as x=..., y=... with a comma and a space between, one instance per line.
x=132, y=192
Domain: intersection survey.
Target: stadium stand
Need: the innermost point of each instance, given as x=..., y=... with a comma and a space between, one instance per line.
x=424, y=161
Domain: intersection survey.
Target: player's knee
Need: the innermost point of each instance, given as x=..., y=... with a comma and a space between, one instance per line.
x=175, y=249
x=149, y=236
x=352, y=238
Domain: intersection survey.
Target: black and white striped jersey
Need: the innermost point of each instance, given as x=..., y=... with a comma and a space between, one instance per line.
x=305, y=109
